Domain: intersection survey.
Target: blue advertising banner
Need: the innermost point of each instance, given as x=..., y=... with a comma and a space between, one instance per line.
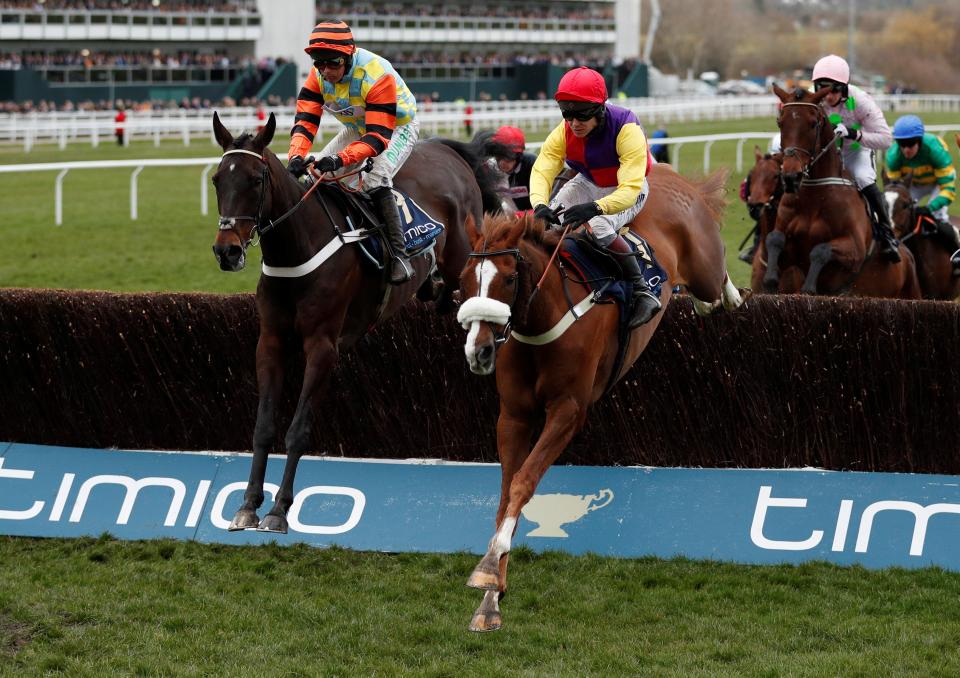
x=747, y=516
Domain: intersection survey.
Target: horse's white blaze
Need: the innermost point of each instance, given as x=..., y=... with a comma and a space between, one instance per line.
x=486, y=272
x=891, y=201
x=470, y=348
x=503, y=537
x=233, y=166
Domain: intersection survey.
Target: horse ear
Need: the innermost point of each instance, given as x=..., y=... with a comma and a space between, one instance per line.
x=884, y=176
x=820, y=95
x=265, y=136
x=473, y=233
x=757, y=153
x=782, y=94
x=220, y=133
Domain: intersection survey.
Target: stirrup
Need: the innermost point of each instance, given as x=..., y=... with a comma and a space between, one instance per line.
x=400, y=270
x=645, y=306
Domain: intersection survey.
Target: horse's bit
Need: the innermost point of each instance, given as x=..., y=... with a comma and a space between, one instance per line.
x=501, y=337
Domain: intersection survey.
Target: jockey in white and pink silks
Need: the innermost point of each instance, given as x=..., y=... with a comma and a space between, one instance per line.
x=861, y=131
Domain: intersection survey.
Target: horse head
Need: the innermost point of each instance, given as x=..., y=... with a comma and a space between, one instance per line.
x=496, y=285
x=764, y=182
x=900, y=205
x=805, y=133
x=243, y=196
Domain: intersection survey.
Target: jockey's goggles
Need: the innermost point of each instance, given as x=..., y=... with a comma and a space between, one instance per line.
x=835, y=86
x=907, y=143
x=579, y=110
x=337, y=62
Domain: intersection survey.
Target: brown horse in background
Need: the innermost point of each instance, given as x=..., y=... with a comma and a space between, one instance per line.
x=555, y=380
x=930, y=250
x=822, y=224
x=326, y=309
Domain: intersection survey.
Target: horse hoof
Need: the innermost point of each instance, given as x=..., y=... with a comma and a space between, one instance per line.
x=486, y=575
x=273, y=523
x=245, y=519
x=486, y=620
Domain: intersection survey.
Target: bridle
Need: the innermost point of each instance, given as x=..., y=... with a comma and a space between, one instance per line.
x=757, y=208
x=817, y=153
x=500, y=337
x=258, y=230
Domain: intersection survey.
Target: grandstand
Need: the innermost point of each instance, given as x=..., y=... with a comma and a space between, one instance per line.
x=58, y=51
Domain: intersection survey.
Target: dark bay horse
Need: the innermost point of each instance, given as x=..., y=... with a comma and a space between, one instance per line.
x=554, y=381
x=822, y=224
x=930, y=249
x=325, y=309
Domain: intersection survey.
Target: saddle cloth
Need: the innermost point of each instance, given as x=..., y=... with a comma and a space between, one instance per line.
x=597, y=268
x=420, y=229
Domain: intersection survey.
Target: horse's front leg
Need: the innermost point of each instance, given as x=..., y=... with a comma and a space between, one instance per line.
x=513, y=444
x=269, y=385
x=320, y=355
x=564, y=418
x=774, y=244
x=820, y=256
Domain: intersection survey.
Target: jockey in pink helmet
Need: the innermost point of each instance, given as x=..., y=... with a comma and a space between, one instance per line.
x=606, y=146
x=507, y=147
x=861, y=131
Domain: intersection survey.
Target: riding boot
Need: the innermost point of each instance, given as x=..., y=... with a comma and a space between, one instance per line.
x=644, y=302
x=747, y=255
x=400, y=269
x=951, y=238
x=883, y=231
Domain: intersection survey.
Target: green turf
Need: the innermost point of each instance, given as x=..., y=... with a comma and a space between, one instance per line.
x=90, y=607
x=168, y=247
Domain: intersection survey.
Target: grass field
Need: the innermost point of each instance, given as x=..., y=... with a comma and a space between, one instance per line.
x=168, y=247
x=90, y=607
x=97, y=607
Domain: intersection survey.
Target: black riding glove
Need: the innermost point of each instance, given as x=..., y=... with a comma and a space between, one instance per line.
x=297, y=166
x=329, y=163
x=923, y=211
x=581, y=214
x=544, y=213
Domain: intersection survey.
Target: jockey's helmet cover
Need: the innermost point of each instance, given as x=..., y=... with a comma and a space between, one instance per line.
x=331, y=36
x=908, y=127
x=582, y=84
x=510, y=137
x=832, y=67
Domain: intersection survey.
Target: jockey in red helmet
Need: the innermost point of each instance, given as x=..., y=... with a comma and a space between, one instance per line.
x=364, y=92
x=507, y=146
x=607, y=148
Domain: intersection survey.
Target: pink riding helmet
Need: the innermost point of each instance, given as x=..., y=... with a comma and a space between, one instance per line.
x=832, y=67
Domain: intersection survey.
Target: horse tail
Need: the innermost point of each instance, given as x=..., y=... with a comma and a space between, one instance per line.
x=473, y=154
x=713, y=190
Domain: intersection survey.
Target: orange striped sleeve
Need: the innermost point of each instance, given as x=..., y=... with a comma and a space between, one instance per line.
x=309, y=111
x=379, y=121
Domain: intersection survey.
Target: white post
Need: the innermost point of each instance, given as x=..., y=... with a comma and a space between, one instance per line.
x=133, y=192
x=94, y=135
x=58, y=198
x=676, y=156
x=204, y=201
x=706, y=156
x=740, y=155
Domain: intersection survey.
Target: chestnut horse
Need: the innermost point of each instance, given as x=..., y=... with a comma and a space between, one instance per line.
x=822, y=223
x=554, y=376
x=930, y=249
x=322, y=308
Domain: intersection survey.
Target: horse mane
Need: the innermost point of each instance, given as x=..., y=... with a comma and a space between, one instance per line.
x=473, y=154
x=500, y=231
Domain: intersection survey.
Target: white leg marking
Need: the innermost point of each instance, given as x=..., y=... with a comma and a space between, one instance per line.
x=503, y=537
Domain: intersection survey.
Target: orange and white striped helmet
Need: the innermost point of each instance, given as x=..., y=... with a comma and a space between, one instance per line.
x=331, y=36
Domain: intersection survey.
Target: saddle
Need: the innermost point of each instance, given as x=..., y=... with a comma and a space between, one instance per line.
x=593, y=265
x=419, y=233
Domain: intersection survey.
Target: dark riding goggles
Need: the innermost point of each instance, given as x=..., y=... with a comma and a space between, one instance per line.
x=579, y=110
x=835, y=86
x=336, y=62
x=907, y=143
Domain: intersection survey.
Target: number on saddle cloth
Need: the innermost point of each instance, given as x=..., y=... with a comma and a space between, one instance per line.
x=420, y=230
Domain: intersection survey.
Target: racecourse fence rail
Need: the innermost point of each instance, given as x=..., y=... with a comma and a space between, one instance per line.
x=789, y=381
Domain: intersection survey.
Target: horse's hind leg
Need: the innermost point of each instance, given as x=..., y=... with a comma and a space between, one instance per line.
x=774, y=244
x=320, y=355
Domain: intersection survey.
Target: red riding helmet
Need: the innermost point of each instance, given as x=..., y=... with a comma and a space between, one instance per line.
x=510, y=137
x=582, y=84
